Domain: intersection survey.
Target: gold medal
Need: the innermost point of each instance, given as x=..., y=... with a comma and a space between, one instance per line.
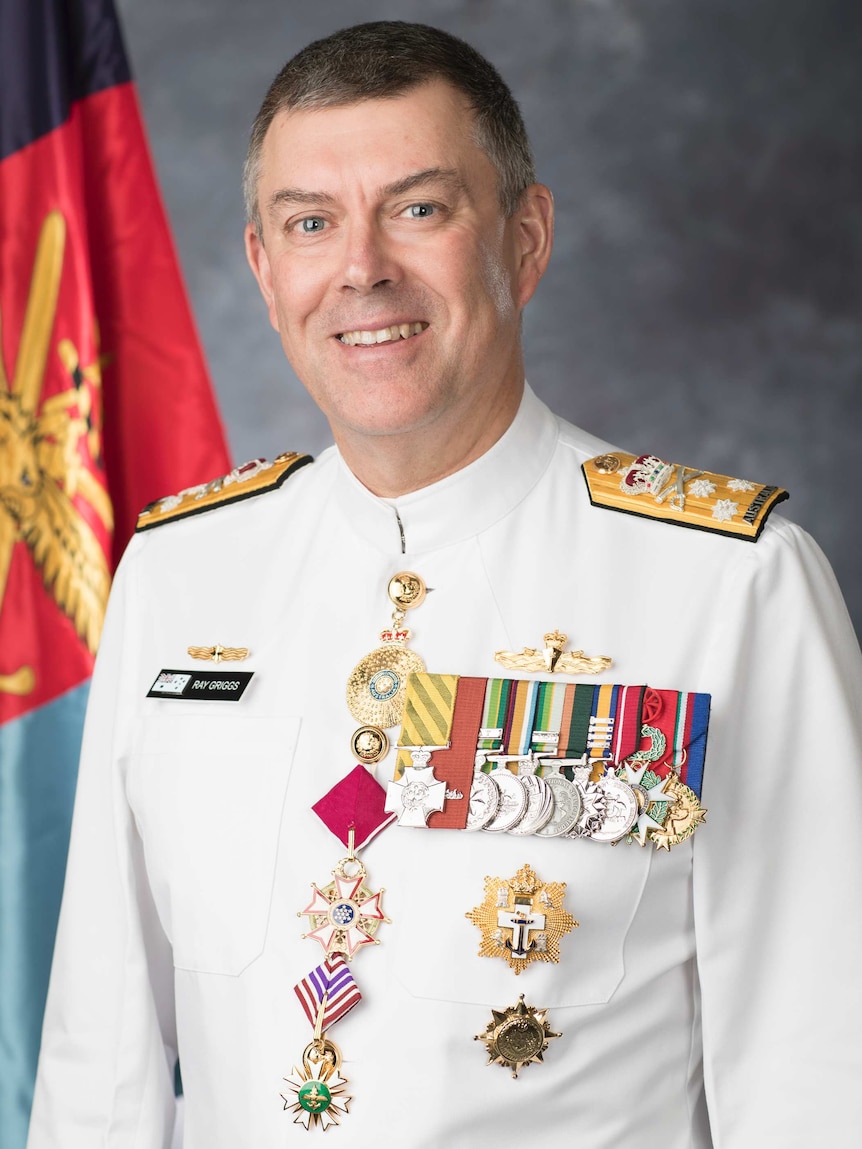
x=316, y=1089
x=683, y=817
x=517, y=1036
x=369, y=744
x=406, y=590
x=522, y=919
x=378, y=683
x=377, y=686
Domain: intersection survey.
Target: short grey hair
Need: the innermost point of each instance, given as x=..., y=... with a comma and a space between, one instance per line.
x=386, y=59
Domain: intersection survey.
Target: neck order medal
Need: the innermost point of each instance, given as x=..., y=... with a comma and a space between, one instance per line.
x=378, y=683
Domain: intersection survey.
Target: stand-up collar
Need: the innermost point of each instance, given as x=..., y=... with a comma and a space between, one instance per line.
x=462, y=504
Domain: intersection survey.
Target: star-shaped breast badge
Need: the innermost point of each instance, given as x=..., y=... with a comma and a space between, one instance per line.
x=517, y=1036
x=522, y=919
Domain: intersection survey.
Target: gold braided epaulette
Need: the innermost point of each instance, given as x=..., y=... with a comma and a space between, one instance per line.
x=646, y=485
x=241, y=483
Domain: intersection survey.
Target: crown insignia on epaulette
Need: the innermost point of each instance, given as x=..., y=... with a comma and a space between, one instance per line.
x=253, y=478
x=647, y=485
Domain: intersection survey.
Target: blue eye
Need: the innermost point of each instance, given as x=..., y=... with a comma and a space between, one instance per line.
x=420, y=210
x=311, y=225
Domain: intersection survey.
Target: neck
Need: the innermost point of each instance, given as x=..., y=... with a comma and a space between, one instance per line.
x=393, y=465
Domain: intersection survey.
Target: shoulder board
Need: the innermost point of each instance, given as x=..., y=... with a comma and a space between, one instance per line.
x=243, y=482
x=645, y=485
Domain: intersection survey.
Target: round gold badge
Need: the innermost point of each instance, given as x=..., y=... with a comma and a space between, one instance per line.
x=406, y=590
x=607, y=464
x=517, y=1036
x=369, y=744
x=519, y=1039
x=377, y=685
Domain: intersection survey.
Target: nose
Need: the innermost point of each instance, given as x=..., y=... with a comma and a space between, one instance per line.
x=369, y=258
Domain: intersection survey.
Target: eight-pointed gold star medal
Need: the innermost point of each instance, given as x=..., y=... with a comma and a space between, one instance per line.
x=517, y=1036
x=522, y=919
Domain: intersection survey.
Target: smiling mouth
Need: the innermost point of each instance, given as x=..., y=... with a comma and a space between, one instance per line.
x=391, y=334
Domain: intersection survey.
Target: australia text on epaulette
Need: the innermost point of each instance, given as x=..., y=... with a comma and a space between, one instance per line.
x=647, y=485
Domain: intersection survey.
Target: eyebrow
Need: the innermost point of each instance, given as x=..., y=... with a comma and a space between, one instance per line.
x=428, y=176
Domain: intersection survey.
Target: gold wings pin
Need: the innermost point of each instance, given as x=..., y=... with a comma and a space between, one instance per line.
x=554, y=658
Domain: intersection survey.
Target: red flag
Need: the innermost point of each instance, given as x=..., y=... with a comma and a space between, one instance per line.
x=105, y=405
x=105, y=400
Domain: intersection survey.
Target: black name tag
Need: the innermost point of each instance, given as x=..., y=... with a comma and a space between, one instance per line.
x=221, y=685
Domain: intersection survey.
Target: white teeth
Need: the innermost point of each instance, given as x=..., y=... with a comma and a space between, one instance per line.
x=383, y=335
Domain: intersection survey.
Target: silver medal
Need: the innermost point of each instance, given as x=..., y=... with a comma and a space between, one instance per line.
x=620, y=812
x=540, y=805
x=484, y=801
x=567, y=807
x=513, y=802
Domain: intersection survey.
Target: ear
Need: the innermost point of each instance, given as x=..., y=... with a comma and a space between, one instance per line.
x=258, y=261
x=534, y=238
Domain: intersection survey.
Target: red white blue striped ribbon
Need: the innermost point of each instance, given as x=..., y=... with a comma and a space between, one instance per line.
x=334, y=981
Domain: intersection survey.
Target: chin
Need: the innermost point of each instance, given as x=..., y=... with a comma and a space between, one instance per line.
x=386, y=415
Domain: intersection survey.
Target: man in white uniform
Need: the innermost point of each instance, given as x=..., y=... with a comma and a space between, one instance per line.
x=710, y=995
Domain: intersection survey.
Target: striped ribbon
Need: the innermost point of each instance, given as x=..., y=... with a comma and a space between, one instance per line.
x=497, y=694
x=428, y=710
x=550, y=706
x=519, y=726
x=690, y=730
x=333, y=981
x=627, y=730
x=561, y=720
x=683, y=718
x=601, y=723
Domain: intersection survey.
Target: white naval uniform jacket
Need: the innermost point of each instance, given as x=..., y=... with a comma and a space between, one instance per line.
x=710, y=996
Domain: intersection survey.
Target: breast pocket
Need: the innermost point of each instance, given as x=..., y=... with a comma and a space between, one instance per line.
x=207, y=790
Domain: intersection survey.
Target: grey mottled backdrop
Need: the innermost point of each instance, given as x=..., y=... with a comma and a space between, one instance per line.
x=704, y=298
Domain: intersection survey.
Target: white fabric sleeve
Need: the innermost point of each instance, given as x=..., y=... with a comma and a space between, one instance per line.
x=106, y=1068
x=777, y=865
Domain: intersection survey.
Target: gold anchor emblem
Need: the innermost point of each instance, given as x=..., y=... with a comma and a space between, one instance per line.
x=42, y=467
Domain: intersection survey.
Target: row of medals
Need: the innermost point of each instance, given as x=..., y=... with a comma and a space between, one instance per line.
x=552, y=806
x=596, y=804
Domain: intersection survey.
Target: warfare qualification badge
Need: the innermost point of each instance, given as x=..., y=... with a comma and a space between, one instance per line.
x=517, y=1036
x=346, y=914
x=522, y=919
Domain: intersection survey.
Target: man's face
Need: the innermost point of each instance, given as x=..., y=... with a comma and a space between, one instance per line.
x=387, y=265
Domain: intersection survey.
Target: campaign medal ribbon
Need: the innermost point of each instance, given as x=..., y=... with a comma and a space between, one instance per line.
x=607, y=762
